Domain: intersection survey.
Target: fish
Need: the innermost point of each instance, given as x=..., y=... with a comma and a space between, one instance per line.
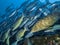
x=18, y=23
x=53, y=28
x=13, y=13
x=19, y=36
x=57, y=38
x=33, y=10
x=7, y=41
x=31, y=5
x=24, y=22
x=32, y=21
x=44, y=23
x=5, y=35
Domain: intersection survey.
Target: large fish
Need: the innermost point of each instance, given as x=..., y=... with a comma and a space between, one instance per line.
x=44, y=23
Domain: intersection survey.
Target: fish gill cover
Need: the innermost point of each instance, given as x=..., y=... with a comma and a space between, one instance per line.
x=31, y=23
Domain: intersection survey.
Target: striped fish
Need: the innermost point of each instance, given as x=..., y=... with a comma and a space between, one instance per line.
x=18, y=23
x=44, y=23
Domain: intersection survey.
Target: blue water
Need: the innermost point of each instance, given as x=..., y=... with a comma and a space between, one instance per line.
x=6, y=3
x=16, y=4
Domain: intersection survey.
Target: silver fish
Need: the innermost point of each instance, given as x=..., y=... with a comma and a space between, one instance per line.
x=24, y=22
x=13, y=13
x=53, y=28
x=31, y=5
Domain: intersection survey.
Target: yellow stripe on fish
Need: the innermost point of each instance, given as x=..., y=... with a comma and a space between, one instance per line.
x=18, y=23
x=20, y=34
x=5, y=35
x=45, y=23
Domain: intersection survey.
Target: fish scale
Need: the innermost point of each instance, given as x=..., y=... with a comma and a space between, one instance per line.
x=44, y=23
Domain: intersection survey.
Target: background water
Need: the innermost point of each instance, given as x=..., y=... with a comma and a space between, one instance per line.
x=16, y=4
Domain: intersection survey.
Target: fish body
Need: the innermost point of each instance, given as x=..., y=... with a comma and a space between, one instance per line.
x=13, y=13
x=21, y=33
x=43, y=24
x=58, y=38
x=31, y=5
x=5, y=35
x=19, y=36
x=7, y=41
x=53, y=28
x=24, y=22
x=18, y=23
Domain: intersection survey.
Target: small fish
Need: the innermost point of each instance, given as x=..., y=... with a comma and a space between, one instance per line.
x=18, y=23
x=13, y=13
x=7, y=41
x=31, y=5
x=56, y=27
x=32, y=21
x=24, y=22
x=19, y=35
x=5, y=35
x=53, y=28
